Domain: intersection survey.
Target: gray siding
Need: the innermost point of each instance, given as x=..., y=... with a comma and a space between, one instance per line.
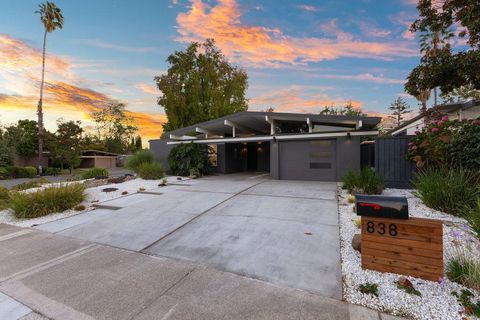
x=161, y=150
x=348, y=155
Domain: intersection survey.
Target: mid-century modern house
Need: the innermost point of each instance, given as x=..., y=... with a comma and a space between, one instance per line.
x=290, y=146
x=98, y=159
x=459, y=111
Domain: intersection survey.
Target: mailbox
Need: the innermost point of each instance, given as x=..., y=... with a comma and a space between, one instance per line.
x=382, y=206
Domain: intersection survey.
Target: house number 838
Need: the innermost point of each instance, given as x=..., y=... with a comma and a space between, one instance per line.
x=381, y=228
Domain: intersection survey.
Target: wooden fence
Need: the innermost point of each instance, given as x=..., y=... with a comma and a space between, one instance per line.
x=391, y=162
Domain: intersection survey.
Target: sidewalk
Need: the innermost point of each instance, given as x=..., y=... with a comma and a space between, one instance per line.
x=64, y=278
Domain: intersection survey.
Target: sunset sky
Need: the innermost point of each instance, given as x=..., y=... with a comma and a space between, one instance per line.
x=299, y=55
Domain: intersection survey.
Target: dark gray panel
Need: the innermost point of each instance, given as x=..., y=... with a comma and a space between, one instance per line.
x=161, y=150
x=298, y=160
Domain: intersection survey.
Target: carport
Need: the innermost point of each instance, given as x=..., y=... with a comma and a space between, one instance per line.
x=289, y=146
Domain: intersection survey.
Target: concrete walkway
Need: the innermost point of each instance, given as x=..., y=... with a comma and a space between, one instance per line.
x=65, y=278
x=283, y=232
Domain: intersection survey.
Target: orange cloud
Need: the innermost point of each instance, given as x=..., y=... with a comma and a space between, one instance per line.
x=299, y=99
x=147, y=88
x=261, y=46
x=19, y=72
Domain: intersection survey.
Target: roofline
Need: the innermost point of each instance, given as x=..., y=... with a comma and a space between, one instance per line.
x=374, y=120
x=302, y=136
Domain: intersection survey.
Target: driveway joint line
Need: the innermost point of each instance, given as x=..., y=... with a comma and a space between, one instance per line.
x=164, y=292
x=285, y=196
x=15, y=234
x=48, y=264
x=197, y=216
x=272, y=218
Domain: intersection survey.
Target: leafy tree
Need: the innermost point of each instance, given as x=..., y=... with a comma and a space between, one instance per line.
x=23, y=137
x=7, y=151
x=114, y=126
x=446, y=69
x=51, y=18
x=138, y=143
x=64, y=145
x=200, y=85
x=461, y=94
x=347, y=110
x=399, y=107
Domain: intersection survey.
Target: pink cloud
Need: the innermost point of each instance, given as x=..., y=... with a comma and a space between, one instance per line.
x=260, y=46
x=309, y=8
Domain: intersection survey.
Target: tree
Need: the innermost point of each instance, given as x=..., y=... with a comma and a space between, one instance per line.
x=200, y=85
x=114, y=126
x=23, y=137
x=138, y=143
x=461, y=94
x=347, y=110
x=399, y=107
x=64, y=145
x=448, y=70
x=6, y=150
x=51, y=18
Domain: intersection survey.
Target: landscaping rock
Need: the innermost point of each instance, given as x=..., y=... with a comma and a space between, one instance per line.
x=404, y=282
x=120, y=179
x=357, y=242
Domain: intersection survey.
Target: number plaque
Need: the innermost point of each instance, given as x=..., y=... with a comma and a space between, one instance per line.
x=411, y=247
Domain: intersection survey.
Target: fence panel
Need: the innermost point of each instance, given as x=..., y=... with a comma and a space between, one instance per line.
x=391, y=162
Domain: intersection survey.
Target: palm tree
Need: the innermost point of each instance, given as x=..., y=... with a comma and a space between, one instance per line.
x=51, y=18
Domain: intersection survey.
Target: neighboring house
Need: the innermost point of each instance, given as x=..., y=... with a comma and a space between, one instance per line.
x=20, y=161
x=98, y=159
x=455, y=111
x=289, y=146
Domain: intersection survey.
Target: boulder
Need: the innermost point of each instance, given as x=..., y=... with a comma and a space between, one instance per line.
x=357, y=242
x=405, y=283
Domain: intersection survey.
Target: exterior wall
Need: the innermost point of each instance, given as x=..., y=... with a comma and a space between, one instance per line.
x=161, y=150
x=105, y=162
x=19, y=161
x=87, y=163
x=274, y=160
x=470, y=113
x=348, y=155
x=263, y=157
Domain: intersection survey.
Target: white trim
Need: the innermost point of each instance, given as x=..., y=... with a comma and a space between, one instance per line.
x=272, y=124
x=281, y=137
x=175, y=137
x=310, y=125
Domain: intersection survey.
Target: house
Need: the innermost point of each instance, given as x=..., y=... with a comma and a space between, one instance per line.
x=98, y=159
x=289, y=146
x=454, y=111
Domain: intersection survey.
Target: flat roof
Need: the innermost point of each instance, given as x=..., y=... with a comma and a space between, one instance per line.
x=257, y=122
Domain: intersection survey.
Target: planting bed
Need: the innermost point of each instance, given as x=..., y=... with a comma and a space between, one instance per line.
x=436, y=300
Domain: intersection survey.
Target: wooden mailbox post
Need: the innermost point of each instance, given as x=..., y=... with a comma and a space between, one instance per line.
x=412, y=247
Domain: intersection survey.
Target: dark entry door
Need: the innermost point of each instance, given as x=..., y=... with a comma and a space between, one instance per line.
x=252, y=157
x=307, y=160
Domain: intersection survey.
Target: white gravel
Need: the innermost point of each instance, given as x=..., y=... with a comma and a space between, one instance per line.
x=93, y=195
x=436, y=301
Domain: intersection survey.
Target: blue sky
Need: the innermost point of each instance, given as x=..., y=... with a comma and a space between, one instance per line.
x=300, y=55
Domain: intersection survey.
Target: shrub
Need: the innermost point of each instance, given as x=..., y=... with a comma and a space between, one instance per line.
x=150, y=171
x=447, y=190
x=464, y=149
x=464, y=270
x=40, y=203
x=96, y=173
x=17, y=172
x=4, y=197
x=51, y=171
x=473, y=217
x=365, y=181
x=135, y=160
x=187, y=156
x=30, y=184
x=369, y=288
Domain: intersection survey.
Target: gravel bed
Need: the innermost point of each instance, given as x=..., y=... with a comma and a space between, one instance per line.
x=436, y=301
x=93, y=195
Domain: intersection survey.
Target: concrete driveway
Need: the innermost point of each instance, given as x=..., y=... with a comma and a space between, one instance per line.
x=283, y=232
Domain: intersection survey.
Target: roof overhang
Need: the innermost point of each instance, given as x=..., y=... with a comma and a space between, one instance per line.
x=286, y=137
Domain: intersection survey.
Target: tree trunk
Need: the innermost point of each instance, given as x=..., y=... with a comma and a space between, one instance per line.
x=40, y=109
